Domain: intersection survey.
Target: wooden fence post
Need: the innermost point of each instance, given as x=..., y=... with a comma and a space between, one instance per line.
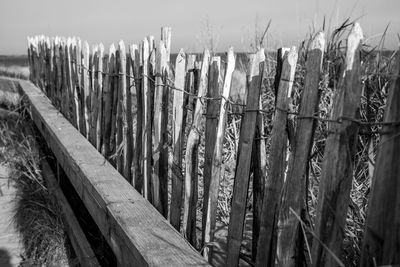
x=99, y=102
x=210, y=134
x=160, y=122
x=289, y=235
x=68, y=76
x=381, y=238
x=108, y=100
x=85, y=90
x=177, y=140
x=122, y=126
x=242, y=173
x=146, y=122
x=191, y=157
x=94, y=63
x=277, y=166
x=136, y=66
x=337, y=170
x=78, y=85
x=211, y=198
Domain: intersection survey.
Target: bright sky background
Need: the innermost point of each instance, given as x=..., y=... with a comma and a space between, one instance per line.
x=232, y=22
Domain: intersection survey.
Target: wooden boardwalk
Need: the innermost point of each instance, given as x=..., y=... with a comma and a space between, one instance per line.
x=10, y=246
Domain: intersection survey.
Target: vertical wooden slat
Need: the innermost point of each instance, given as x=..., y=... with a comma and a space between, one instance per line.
x=177, y=141
x=381, y=244
x=137, y=164
x=191, y=157
x=108, y=100
x=85, y=90
x=64, y=96
x=277, y=164
x=211, y=200
x=121, y=107
x=242, y=173
x=93, y=74
x=49, y=65
x=146, y=122
x=58, y=74
x=78, y=85
x=337, y=170
x=160, y=158
x=99, y=102
x=289, y=247
x=115, y=98
x=210, y=133
x=68, y=76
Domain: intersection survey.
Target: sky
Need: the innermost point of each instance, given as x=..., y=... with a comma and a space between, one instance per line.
x=193, y=22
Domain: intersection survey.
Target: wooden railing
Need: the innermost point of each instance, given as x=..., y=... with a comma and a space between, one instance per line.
x=121, y=102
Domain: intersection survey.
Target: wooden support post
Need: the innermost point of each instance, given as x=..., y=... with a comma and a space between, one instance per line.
x=177, y=140
x=146, y=122
x=85, y=89
x=99, y=102
x=337, y=170
x=108, y=100
x=211, y=194
x=78, y=85
x=191, y=157
x=135, y=64
x=275, y=179
x=69, y=85
x=94, y=64
x=289, y=235
x=381, y=238
x=160, y=149
x=242, y=173
x=122, y=125
x=115, y=97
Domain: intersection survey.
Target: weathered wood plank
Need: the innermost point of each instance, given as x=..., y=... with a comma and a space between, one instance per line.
x=289, y=246
x=337, y=170
x=275, y=178
x=108, y=101
x=242, y=173
x=381, y=244
x=146, y=121
x=211, y=197
x=93, y=67
x=99, y=101
x=191, y=156
x=160, y=151
x=177, y=140
x=77, y=237
x=133, y=228
x=85, y=89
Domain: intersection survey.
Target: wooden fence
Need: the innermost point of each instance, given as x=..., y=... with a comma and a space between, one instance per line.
x=135, y=107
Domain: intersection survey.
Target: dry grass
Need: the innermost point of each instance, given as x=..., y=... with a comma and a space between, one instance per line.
x=37, y=214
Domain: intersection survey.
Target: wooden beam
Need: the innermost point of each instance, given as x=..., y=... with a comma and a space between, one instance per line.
x=136, y=232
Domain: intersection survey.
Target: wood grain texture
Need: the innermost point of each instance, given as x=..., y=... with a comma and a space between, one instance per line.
x=213, y=107
x=177, y=140
x=289, y=244
x=211, y=200
x=337, y=166
x=242, y=172
x=191, y=156
x=133, y=228
x=160, y=147
x=381, y=244
x=85, y=89
x=277, y=165
x=99, y=100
